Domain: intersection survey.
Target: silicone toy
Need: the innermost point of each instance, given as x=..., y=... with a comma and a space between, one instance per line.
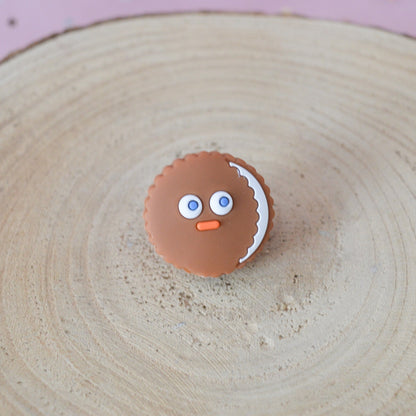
x=208, y=213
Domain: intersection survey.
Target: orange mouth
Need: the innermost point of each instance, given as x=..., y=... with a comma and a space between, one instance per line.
x=207, y=225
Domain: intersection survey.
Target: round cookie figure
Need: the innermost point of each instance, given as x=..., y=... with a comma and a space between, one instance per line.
x=208, y=213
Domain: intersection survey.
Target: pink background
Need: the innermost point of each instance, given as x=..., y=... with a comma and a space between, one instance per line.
x=25, y=21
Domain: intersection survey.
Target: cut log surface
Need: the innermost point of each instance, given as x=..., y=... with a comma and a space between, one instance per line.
x=323, y=321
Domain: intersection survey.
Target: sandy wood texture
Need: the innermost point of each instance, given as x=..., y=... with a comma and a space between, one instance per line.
x=92, y=322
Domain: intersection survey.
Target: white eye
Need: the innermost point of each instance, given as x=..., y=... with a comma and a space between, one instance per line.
x=190, y=206
x=221, y=203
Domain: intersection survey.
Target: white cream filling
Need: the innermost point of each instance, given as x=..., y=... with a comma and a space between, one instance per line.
x=262, y=209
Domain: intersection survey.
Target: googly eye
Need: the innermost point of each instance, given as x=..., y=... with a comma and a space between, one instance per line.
x=221, y=202
x=190, y=206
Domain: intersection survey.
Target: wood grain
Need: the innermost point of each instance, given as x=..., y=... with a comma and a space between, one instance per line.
x=93, y=322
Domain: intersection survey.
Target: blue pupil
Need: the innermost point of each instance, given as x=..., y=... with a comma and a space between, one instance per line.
x=192, y=205
x=224, y=201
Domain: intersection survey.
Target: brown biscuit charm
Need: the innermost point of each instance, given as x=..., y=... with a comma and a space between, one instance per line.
x=208, y=213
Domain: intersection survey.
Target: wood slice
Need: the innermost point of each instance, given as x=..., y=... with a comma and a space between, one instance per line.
x=93, y=322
